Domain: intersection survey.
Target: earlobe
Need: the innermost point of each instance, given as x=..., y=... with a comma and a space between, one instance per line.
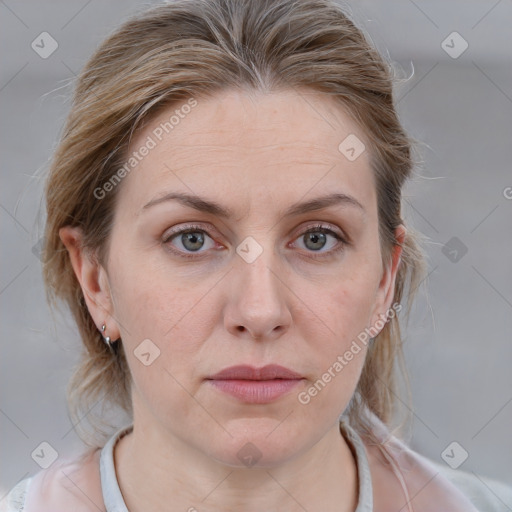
x=92, y=278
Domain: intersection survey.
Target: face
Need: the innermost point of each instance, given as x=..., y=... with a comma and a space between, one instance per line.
x=249, y=267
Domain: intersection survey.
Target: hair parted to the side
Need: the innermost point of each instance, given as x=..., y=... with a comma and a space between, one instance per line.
x=191, y=49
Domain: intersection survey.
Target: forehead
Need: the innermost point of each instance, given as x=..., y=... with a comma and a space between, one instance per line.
x=235, y=144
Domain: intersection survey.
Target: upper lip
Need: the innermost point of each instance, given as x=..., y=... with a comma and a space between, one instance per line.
x=245, y=372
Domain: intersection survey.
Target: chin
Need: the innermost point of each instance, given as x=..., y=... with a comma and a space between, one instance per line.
x=265, y=444
x=252, y=456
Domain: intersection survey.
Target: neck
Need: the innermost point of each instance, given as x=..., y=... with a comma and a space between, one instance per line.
x=155, y=469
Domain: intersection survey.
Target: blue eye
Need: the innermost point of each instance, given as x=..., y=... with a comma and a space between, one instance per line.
x=191, y=239
x=317, y=238
x=188, y=242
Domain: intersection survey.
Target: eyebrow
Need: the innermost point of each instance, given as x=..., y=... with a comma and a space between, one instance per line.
x=208, y=206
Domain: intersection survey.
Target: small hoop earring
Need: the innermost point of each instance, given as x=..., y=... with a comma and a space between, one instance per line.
x=107, y=340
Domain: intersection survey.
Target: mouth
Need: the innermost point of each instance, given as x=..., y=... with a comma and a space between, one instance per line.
x=256, y=385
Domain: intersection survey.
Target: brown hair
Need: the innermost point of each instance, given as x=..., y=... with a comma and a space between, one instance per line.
x=193, y=48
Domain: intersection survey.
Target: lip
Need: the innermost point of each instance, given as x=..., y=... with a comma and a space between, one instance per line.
x=246, y=372
x=256, y=385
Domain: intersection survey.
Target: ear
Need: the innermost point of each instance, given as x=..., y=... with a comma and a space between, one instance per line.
x=93, y=280
x=386, y=290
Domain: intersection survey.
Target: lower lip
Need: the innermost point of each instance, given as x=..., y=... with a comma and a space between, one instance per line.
x=256, y=391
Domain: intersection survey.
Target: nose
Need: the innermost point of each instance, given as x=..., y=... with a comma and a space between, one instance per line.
x=257, y=306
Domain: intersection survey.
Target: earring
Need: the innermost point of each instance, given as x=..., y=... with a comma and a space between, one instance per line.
x=107, y=339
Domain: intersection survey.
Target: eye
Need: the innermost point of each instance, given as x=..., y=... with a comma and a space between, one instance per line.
x=188, y=240
x=319, y=237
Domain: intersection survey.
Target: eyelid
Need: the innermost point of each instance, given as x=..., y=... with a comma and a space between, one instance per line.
x=168, y=234
x=299, y=231
x=324, y=226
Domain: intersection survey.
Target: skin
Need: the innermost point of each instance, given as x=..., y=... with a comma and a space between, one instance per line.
x=255, y=154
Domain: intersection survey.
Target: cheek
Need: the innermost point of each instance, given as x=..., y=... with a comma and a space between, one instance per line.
x=353, y=304
x=345, y=305
x=176, y=317
x=339, y=352
x=151, y=300
x=176, y=323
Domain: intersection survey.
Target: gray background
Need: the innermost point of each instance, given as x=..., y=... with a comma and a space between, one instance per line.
x=458, y=343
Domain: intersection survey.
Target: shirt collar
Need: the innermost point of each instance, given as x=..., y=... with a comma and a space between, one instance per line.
x=114, y=501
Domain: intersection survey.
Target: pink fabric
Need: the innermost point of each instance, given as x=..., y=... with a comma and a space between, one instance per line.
x=405, y=481
x=68, y=485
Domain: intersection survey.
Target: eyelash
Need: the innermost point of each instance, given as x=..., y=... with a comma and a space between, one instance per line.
x=314, y=229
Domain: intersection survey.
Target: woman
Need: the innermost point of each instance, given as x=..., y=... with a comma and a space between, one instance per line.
x=224, y=222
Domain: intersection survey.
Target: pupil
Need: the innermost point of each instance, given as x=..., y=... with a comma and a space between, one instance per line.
x=315, y=238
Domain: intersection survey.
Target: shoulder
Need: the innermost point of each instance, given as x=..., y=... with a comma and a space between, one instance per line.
x=485, y=494
x=427, y=483
x=71, y=484
x=402, y=477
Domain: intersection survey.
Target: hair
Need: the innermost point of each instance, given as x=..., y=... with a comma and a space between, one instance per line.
x=192, y=49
